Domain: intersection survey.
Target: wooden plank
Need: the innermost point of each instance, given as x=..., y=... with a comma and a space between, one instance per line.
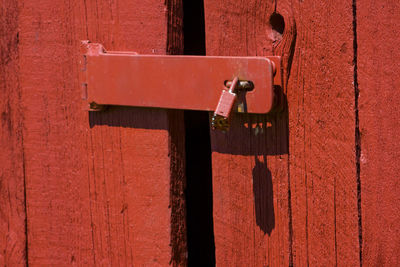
x=285, y=191
x=54, y=136
x=250, y=178
x=377, y=29
x=104, y=188
x=322, y=144
x=12, y=195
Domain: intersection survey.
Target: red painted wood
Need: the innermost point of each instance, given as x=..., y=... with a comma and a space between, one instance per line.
x=379, y=100
x=107, y=188
x=285, y=191
x=12, y=199
x=104, y=188
x=322, y=144
x=250, y=178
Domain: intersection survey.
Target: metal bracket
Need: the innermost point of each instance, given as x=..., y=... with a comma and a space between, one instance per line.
x=176, y=82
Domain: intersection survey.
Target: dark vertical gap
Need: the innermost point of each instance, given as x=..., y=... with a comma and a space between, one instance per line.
x=199, y=197
x=194, y=27
x=357, y=129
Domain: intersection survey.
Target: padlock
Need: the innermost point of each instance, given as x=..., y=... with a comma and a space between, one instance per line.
x=226, y=102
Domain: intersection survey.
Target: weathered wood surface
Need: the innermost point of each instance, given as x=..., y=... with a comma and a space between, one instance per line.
x=104, y=188
x=250, y=177
x=285, y=190
x=322, y=129
x=12, y=199
x=378, y=53
x=314, y=185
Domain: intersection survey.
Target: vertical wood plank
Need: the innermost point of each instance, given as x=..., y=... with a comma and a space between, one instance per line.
x=12, y=195
x=250, y=177
x=285, y=190
x=57, y=192
x=377, y=29
x=146, y=209
x=321, y=142
x=102, y=188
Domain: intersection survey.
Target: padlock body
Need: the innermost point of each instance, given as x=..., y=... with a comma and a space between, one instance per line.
x=225, y=104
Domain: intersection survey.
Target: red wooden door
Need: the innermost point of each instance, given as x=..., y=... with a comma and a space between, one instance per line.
x=308, y=186
x=315, y=184
x=285, y=187
x=99, y=188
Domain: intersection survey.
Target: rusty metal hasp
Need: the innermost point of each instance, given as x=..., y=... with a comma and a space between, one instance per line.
x=178, y=82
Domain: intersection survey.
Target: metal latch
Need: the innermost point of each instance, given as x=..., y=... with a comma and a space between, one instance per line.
x=178, y=82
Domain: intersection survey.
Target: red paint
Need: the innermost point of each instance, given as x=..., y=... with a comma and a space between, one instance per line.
x=250, y=161
x=176, y=82
x=321, y=141
x=257, y=220
x=105, y=188
x=12, y=200
x=379, y=100
x=227, y=100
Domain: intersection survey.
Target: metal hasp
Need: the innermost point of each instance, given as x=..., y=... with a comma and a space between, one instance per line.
x=176, y=82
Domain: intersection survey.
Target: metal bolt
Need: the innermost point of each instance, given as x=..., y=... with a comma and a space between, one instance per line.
x=242, y=85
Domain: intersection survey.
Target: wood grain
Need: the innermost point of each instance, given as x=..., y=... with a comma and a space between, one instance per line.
x=12, y=193
x=315, y=184
x=322, y=143
x=102, y=188
x=378, y=106
x=285, y=187
x=250, y=177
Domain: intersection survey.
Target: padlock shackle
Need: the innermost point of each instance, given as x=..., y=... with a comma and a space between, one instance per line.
x=234, y=84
